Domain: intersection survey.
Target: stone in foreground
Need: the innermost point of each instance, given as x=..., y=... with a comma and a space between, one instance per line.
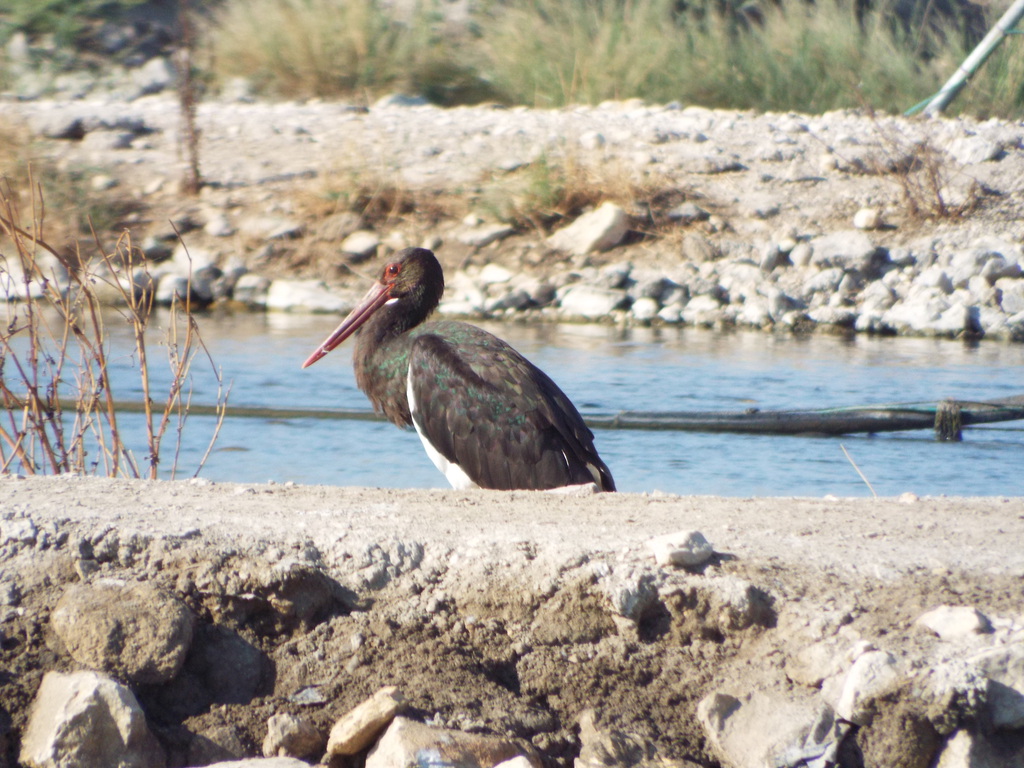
x=357, y=729
x=133, y=631
x=291, y=736
x=682, y=549
x=949, y=622
x=85, y=720
x=408, y=744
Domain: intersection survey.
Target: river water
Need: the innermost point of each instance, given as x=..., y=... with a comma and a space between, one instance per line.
x=604, y=370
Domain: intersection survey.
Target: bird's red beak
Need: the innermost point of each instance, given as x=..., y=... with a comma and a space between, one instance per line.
x=375, y=298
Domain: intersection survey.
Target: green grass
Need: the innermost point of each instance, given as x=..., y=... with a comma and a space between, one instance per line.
x=789, y=55
x=555, y=52
x=814, y=58
x=66, y=20
x=769, y=55
x=330, y=48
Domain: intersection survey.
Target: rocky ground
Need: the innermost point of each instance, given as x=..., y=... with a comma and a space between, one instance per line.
x=558, y=623
x=779, y=221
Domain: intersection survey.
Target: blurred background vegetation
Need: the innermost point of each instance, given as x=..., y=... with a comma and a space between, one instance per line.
x=768, y=55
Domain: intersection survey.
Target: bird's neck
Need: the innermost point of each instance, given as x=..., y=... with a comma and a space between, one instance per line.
x=381, y=360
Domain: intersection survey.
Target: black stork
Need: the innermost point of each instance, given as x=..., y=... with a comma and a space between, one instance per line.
x=487, y=416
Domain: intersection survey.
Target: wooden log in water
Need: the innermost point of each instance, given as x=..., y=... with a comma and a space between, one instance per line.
x=827, y=421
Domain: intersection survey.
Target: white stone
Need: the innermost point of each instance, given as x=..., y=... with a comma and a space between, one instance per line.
x=851, y=249
x=828, y=315
x=598, y=230
x=685, y=548
x=645, y=308
x=873, y=674
x=1005, y=667
x=754, y=312
x=494, y=274
x=516, y=762
x=171, y=287
x=977, y=291
x=671, y=315
x=763, y=729
x=630, y=592
x=270, y=228
x=358, y=728
x=591, y=302
x=155, y=75
x=935, y=277
x=980, y=261
x=83, y=719
x=408, y=743
x=189, y=259
x=702, y=310
x=1011, y=294
x=12, y=277
x=801, y=254
x=483, y=234
x=815, y=663
x=918, y=312
x=102, y=182
x=868, y=218
x=824, y=282
x=251, y=289
x=971, y=150
x=362, y=244
x=950, y=622
x=968, y=749
x=304, y=295
x=219, y=225
x=291, y=736
x=18, y=529
x=999, y=267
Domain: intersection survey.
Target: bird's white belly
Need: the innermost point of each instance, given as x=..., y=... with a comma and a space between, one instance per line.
x=456, y=476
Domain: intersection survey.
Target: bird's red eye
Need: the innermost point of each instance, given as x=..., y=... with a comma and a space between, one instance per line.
x=392, y=270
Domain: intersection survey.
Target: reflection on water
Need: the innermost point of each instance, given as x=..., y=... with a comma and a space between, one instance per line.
x=604, y=369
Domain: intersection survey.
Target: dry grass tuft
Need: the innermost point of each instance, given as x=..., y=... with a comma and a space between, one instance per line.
x=548, y=191
x=83, y=210
x=932, y=185
x=379, y=200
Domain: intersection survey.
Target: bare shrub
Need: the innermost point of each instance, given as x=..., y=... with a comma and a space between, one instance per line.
x=932, y=184
x=60, y=411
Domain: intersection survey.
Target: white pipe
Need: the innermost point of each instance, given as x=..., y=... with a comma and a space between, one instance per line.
x=973, y=62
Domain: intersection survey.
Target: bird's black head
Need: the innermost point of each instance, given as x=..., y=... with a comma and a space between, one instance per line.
x=409, y=289
x=415, y=280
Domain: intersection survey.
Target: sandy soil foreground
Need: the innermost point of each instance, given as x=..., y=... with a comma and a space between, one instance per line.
x=510, y=613
x=858, y=538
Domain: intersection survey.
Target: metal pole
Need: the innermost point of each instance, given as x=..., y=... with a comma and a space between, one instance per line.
x=973, y=62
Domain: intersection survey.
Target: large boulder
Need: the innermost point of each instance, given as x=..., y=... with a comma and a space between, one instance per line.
x=85, y=720
x=132, y=631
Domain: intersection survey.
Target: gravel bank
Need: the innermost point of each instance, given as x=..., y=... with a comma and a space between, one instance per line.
x=839, y=221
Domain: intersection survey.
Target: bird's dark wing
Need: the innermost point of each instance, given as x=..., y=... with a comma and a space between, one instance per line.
x=486, y=408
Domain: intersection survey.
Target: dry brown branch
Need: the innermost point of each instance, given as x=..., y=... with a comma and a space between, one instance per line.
x=55, y=344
